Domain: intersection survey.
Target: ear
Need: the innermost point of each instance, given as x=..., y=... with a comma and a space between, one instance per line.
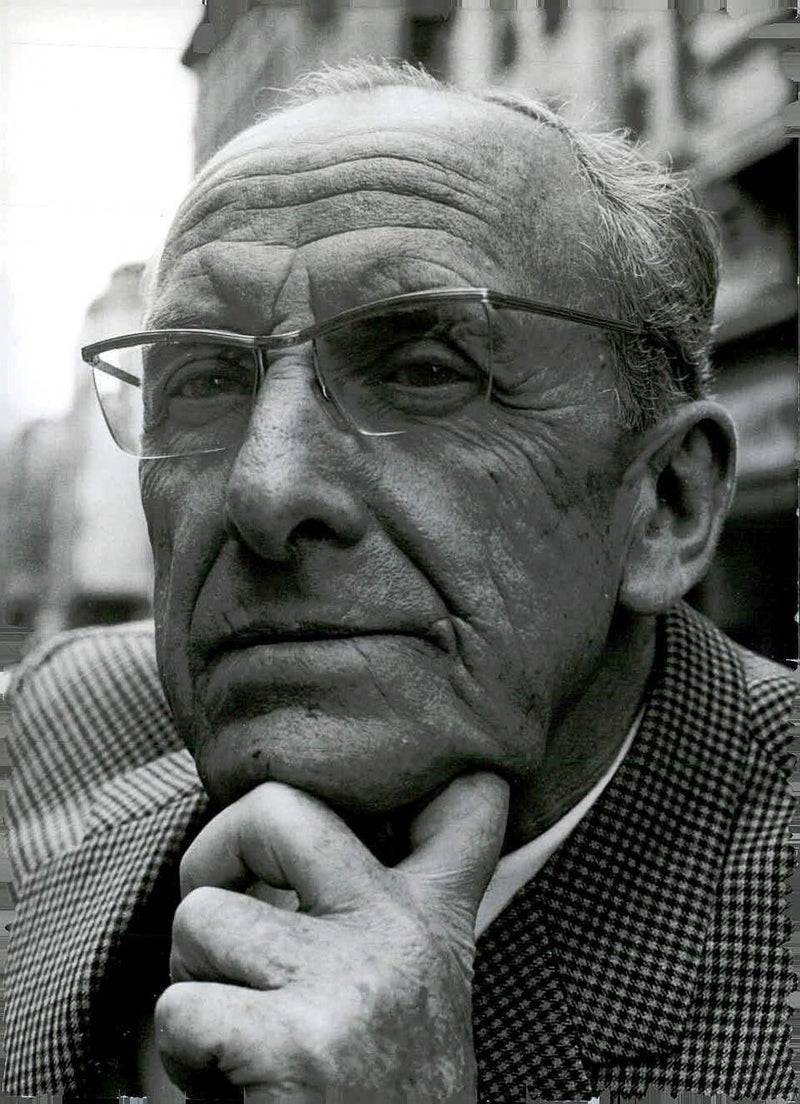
x=683, y=478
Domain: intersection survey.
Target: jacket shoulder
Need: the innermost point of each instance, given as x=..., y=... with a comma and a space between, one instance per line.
x=767, y=692
x=773, y=697
x=86, y=707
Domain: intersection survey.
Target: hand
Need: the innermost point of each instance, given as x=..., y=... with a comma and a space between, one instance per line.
x=367, y=988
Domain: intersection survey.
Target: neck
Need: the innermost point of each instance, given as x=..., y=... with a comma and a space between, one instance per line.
x=586, y=736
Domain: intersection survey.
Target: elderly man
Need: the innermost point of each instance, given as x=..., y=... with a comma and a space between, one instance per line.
x=427, y=465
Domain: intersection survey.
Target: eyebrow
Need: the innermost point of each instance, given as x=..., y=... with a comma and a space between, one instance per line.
x=179, y=318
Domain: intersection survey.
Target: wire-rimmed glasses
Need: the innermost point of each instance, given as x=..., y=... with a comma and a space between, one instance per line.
x=388, y=367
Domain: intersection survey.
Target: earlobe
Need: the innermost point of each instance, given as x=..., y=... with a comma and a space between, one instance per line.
x=683, y=479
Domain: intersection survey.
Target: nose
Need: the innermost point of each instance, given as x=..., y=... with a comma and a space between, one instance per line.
x=293, y=479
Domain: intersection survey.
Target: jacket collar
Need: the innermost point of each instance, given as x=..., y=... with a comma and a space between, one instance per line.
x=630, y=895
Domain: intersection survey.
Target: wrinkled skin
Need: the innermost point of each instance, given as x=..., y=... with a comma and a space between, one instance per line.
x=480, y=575
x=495, y=550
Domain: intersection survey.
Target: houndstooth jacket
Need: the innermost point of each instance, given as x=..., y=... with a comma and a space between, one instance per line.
x=647, y=953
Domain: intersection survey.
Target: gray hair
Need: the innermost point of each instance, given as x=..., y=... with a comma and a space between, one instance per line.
x=659, y=247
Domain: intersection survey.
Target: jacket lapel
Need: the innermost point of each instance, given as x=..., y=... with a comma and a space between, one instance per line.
x=525, y=1042
x=597, y=958
x=631, y=893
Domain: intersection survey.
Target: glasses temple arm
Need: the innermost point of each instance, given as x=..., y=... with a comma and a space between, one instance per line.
x=118, y=373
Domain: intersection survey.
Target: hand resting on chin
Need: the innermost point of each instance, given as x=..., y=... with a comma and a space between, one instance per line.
x=366, y=990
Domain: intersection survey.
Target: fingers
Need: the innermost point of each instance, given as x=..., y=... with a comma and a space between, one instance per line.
x=359, y=994
x=207, y=1029
x=219, y=935
x=274, y=1043
x=456, y=839
x=289, y=839
x=289, y=1047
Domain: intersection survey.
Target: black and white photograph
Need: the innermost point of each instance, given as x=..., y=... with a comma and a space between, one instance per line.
x=398, y=555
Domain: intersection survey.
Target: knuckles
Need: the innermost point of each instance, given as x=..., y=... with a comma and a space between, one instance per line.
x=196, y=919
x=198, y=911
x=400, y=1020
x=178, y=1033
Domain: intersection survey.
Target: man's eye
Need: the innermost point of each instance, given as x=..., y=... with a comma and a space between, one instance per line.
x=207, y=374
x=200, y=391
x=426, y=374
x=207, y=384
x=421, y=388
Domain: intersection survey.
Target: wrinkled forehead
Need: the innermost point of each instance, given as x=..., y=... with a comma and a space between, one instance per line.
x=389, y=190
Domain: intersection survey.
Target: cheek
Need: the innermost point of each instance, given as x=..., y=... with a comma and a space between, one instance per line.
x=554, y=571
x=527, y=555
x=157, y=479
x=552, y=529
x=183, y=505
x=524, y=506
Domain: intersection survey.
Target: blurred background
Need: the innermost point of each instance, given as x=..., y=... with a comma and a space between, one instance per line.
x=107, y=106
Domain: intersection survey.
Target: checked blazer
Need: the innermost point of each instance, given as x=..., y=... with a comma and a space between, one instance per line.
x=647, y=953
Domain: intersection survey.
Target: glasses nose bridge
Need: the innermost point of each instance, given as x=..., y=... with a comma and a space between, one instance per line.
x=294, y=339
x=267, y=348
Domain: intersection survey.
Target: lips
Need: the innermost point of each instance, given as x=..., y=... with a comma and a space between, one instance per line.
x=316, y=665
x=261, y=636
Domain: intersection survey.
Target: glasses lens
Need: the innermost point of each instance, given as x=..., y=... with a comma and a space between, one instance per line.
x=176, y=397
x=408, y=366
x=532, y=352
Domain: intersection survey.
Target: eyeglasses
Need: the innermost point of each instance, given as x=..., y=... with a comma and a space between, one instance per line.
x=399, y=364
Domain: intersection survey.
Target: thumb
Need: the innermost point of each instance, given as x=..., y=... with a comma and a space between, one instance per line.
x=456, y=839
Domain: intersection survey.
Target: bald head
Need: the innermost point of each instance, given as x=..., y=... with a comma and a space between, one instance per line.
x=428, y=186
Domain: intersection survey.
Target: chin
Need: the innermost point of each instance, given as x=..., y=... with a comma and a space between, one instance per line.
x=374, y=783
x=369, y=770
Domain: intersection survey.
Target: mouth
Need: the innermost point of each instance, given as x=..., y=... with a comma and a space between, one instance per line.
x=309, y=666
x=303, y=633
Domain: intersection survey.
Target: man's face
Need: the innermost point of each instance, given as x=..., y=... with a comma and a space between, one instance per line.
x=365, y=618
